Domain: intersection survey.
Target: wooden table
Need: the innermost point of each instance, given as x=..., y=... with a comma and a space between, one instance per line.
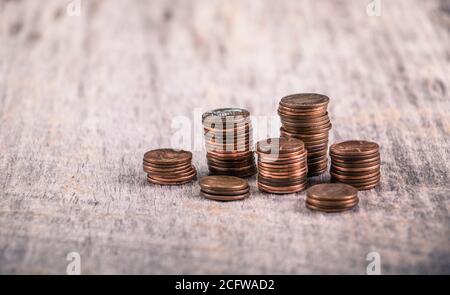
x=83, y=97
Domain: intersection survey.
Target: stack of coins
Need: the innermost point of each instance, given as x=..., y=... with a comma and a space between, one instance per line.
x=224, y=188
x=357, y=163
x=169, y=166
x=331, y=197
x=305, y=116
x=282, y=165
x=228, y=142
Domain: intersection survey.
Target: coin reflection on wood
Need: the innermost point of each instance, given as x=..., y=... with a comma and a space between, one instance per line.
x=224, y=188
x=304, y=116
x=169, y=166
x=282, y=165
x=228, y=142
x=331, y=197
x=357, y=163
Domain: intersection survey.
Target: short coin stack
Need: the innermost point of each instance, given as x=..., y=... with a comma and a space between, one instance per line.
x=331, y=197
x=305, y=116
x=224, y=188
x=356, y=162
x=282, y=165
x=169, y=166
x=228, y=141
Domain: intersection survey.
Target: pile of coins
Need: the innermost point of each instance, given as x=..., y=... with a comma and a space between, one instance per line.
x=305, y=116
x=331, y=197
x=224, y=188
x=282, y=165
x=228, y=142
x=169, y=166
x=357, y=163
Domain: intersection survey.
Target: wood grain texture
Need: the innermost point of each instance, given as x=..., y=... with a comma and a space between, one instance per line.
x=82, y=98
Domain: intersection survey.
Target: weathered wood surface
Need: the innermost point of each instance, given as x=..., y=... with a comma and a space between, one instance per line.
x=82, y=98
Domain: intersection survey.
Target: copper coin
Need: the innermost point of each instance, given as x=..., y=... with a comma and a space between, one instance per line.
x=333, y=204
x=167, y=167
x=329, y=210
x=173, y=177
x=355, y=177
x=281, y=190
x=332, y=192
x=354, y=160
x=225, y=193
x=167, y=156
x=232, y=155
x=357, y=171
x=305, y=100
x=169, y=182
x=223, y=183
x=354, y=148
x=224, y=197
x=168, y=171
x=352, y=165
x=279, y=145
x=358, y=182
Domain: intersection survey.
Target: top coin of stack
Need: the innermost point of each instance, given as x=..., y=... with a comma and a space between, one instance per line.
x=282, y=165
x=304, y=116
x=228, y=141
x=169, y=166
x=356, y=162
x=224, y=188
x=331, y=197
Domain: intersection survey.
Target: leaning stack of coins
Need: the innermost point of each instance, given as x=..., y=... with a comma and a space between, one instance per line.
x=228, y=141
x=224, y=188
x=282, y=165
x=305, y=116
x=357, y=163
x=169, y=166
x=331, y=197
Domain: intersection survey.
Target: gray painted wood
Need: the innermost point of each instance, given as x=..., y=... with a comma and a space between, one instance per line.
x=82, y=98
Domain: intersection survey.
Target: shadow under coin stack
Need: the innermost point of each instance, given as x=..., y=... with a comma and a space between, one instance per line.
x=228, y=142
x=282, y=165
x=357, y=163
x=331, y=197
x=169, y=166
x=224, y=188
x=305, y=116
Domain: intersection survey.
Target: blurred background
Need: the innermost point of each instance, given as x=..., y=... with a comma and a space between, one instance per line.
x=86, y=87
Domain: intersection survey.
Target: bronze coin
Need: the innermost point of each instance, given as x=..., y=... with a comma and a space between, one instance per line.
x=305, y=100
x=357, y=171
x=332, y=192
x=167, y=156
x=333, y=204
x=352, y=161
x=352, y=165
x=280, y=145
x=354, y=177
x=329, y=210
x=274, y=175
x=230, y=168
x=289, y=167
x=168, y=171
x=225, y=193
x=169, y=182
x=166, y=167
x=232, y=155
x=281, y=190
x=241, y=174
x=301, y=120
x=172, y=176
x=224, y=198
x=354, y=148
x=284, y=112
x=223, y=183
x=358, y=182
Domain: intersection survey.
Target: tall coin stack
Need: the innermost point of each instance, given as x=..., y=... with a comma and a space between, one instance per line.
x=282, y=165
x=228, y=142
x=305, y=116
x=357, y=163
